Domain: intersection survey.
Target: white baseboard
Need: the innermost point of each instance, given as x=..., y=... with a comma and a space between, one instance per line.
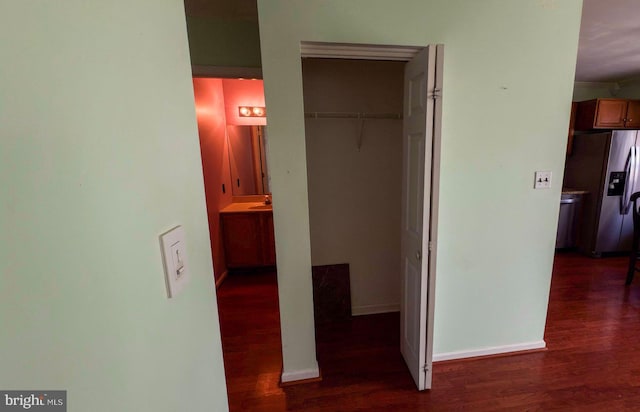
x=373, y=309
x=494, y=350
x=300, y=375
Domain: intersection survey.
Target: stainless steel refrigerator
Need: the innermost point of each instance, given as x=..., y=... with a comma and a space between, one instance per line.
x=606, y=165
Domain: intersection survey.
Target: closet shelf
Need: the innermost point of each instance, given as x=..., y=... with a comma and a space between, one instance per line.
x=351, y=115
x=362, y=116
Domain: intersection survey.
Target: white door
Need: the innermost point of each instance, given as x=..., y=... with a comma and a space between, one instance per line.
x=419, y=84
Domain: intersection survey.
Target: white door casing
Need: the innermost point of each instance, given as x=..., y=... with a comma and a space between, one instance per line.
x=417, y=141
x=421, y=127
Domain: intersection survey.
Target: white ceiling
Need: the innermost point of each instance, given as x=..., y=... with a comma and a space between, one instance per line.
x=609, y=47
x=608, y=51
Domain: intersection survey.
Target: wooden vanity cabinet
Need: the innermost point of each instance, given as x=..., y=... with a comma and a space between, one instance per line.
x=248, y=239
x=270, y=240
x=608, y=114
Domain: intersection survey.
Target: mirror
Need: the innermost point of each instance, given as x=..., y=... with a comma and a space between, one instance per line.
x=247, y=160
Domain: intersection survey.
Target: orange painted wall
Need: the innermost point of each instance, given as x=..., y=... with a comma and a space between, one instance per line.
x=243, y=93
x=209, y=99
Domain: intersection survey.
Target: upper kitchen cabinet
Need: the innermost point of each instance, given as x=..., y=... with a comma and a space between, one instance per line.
x=608, y=114
x=633, y=114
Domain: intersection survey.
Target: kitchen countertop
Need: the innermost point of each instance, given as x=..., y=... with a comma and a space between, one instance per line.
x=571, y=191
x=246, y=207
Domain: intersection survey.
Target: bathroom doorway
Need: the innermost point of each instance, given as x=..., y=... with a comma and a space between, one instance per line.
x=231, y=119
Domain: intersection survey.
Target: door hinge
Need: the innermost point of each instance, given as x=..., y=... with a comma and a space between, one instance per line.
x=435, y=94
x=430, y=246
x=425, y=367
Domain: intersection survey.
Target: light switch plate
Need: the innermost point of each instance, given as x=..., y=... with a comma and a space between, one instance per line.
x=542, y=180
x=174, y=258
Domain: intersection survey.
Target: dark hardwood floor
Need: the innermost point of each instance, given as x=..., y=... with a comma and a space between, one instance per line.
x=592, y=362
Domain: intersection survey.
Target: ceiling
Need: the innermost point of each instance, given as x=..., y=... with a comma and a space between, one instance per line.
x=608, y=51
x=609, y=47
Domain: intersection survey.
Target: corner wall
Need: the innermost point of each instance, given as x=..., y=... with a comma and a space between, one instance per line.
x=212, y=131
x=99, y=155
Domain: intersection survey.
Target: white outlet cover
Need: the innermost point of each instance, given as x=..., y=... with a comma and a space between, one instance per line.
x=542, y=180
x=174, y=258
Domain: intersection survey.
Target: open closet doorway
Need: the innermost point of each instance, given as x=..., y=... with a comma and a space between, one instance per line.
x=372, y=139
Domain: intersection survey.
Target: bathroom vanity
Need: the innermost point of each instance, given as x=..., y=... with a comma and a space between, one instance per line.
x=247, y=234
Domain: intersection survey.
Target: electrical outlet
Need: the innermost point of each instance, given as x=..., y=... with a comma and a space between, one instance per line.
x=542, y=180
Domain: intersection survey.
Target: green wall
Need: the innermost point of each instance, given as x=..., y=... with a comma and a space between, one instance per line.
x=589, y=90
x=99, y=155
x=216, y=42
x=630, y=89
x=508, y=81
x=625, y=89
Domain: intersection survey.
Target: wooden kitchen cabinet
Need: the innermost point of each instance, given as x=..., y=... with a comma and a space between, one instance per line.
x=633, y=114
x=248, y=239
x=608, y=114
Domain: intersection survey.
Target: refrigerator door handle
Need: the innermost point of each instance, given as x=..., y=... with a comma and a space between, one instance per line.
x=631, y=172
x=634, y=173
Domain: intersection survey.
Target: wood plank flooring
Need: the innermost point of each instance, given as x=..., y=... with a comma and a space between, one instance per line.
x=592, y=362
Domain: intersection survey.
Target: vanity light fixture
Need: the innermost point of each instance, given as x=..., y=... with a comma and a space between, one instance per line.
x=252, y=111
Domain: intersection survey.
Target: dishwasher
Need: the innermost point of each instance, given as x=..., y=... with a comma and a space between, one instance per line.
x=568, y=221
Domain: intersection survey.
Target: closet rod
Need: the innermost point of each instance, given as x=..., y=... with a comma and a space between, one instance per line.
x=351, y=115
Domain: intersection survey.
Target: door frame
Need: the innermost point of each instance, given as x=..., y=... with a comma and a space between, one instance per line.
x=403, y=53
